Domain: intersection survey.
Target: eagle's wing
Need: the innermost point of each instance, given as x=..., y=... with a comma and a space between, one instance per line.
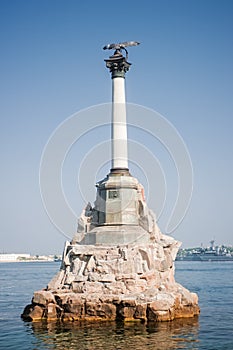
x=110, y=46
x=129, y=43
x=120, y=45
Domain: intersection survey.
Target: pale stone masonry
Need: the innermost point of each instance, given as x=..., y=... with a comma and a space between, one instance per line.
x=118, y=264
x=116, y=281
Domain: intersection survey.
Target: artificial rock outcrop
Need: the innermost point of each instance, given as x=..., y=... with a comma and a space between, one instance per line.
x=131, y=277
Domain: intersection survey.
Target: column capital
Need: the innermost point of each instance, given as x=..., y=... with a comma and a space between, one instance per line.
x=117, y=65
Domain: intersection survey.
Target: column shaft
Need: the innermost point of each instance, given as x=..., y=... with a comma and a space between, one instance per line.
x=119, y=126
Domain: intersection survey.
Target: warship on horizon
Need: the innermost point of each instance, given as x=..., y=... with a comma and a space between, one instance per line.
x=212, y=253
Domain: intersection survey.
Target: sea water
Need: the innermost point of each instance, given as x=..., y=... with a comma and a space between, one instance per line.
x=213, y=329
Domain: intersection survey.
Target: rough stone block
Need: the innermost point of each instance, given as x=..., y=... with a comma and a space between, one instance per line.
x=75, y=306
x=162, y=305
x=131, y=302
x=116, y=288
x=164, y=265
x=78, y=287
x=156, y=315
x=90, y=309
x=187, y=298
x=93, y=287
x=108, y=278
x=33, y=312
x=126, y=312
x=61, y=298
x=56, y=282
x=194, y=298
x=100, y=310
x=186, y=311
x=130, y=285
x=106, y=311
x=140, y=312
x=43, y=297
x=51, y=311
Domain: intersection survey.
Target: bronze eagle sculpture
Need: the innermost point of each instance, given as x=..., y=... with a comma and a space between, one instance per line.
x=120, y=46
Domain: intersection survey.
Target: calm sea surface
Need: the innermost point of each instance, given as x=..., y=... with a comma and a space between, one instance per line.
x=213, y=281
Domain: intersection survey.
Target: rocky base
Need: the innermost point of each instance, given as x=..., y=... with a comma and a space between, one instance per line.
x=69, y=306
x=131, y=282
x=116, y=272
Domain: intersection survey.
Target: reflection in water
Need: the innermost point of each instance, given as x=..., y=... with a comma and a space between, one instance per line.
x=178, y=334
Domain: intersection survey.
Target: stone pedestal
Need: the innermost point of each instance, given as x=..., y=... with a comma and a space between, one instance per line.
x=112, y=271
x=127, y=282
x=119, y=216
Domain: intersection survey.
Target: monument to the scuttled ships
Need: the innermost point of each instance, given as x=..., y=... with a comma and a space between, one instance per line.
x=118, y=264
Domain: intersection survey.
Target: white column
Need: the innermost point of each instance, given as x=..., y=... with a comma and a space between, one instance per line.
x=119, y=126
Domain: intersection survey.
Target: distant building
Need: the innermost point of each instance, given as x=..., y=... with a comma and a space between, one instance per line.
x=13, y=257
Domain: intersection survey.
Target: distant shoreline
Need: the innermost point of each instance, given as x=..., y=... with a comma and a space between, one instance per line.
x=22, y=261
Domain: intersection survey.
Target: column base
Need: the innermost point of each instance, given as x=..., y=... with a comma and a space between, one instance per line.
x=120, y=171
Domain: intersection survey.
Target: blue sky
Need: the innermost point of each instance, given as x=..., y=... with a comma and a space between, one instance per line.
x=52, y=66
